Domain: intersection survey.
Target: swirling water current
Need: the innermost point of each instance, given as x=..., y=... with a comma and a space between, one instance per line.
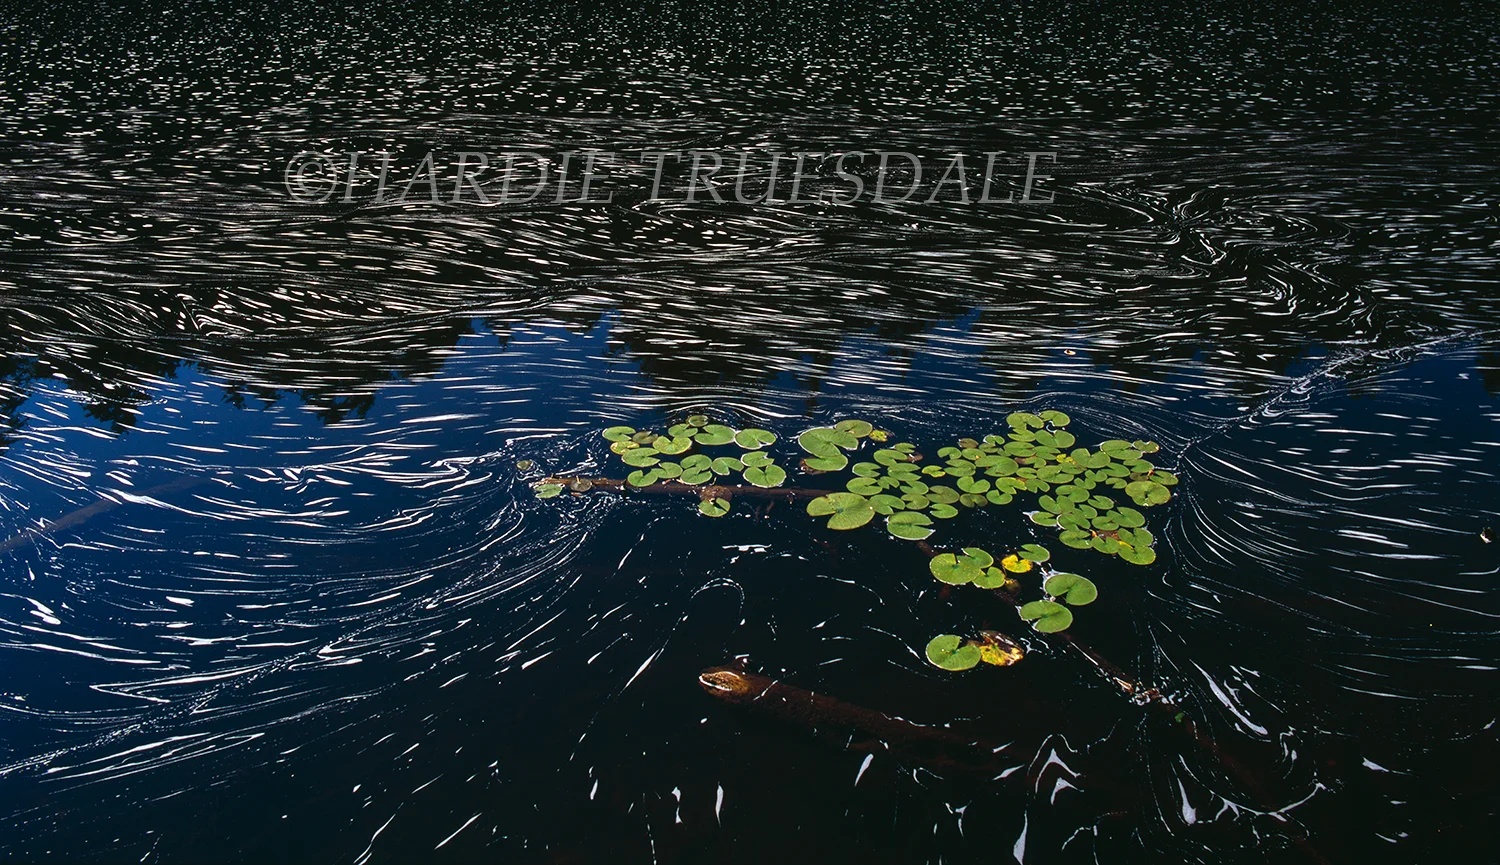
x=273, y=588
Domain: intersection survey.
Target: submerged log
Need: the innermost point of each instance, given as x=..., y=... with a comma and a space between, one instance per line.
x=855, y=727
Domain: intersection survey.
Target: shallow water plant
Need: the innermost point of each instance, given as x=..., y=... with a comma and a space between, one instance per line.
x=844, y=510
x=950, y=652
x=1076, y=490
x=1048, y=617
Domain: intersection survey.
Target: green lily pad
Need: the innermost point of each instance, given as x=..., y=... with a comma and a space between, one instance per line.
x=1024, y=420
x=765, y=476
x=644, y=437
x=755, y=459
x=682, y=430
x=1072, y=588
x=953, y=570
x=867, y=470
x=696, y=476
x=857, y=428
x=890, y=456
x=1073, y=520
x=1147, y=493
x=915, y=502
x=941, y=494
x=844, y=510
x=909, y=525
x=973, y=500
x=620, y=447
x=548, y=491
x=1078, y=539
x=865, y=487
x=1048, y=617
x=971, y=485
x=669, y=470
x=1034, y=553
x=1064, y=439
x=754, y=439
x=826, y=441
x=726, y=465
x=695, y=462
x=640, y=457
x=884, y=504
x=833, y=463
x=943, y=511
x=951, y=653
x=1001, y=465
x=992, y=578
x=714, y=434
x=1044, y=518
x=949, y=452
x=697, y=420
x=979, y=557
x=619, y=433
x=639, y=478
x=1166, y=479
x=1056, y=418
x=998, y=497
x=673, y=445
x=1138, y=555
x=815, y=442
x=713, y=507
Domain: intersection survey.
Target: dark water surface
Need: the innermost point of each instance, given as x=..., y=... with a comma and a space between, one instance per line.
x=295, y=601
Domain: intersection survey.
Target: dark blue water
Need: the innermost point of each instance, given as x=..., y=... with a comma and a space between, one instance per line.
x=274, y=587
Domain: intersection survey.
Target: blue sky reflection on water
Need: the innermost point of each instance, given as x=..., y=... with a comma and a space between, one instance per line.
x=335, y=590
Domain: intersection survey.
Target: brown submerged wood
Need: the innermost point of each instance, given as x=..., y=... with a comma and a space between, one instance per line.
x=856, y=728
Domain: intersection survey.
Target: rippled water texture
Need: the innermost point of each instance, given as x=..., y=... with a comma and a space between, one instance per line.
x=274, y=588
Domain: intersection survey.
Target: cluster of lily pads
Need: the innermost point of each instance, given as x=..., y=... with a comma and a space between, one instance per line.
x=974, y=566
x=643, y=451
x=1037, y=455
